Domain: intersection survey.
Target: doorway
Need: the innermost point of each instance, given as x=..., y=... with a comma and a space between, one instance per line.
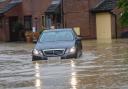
x=14, y=33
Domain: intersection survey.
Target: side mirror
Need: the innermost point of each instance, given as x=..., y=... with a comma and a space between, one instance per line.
x=79, y=38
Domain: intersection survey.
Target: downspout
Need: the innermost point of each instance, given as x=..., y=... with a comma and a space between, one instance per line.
x=32, y=12
x=62, y=13
x=116, y=27
x=116, y=32
x=89, y=17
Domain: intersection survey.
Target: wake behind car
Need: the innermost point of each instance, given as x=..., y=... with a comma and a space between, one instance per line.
x=63, y=43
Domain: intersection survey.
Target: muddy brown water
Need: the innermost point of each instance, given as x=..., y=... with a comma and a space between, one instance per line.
x=102, y=66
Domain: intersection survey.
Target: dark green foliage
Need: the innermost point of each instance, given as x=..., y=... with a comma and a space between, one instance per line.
x=123, y=5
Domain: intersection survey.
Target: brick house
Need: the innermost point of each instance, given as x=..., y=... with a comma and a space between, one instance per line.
x=46, y=13
x=29, y=13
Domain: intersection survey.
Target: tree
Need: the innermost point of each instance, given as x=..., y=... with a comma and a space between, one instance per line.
x=123, y=5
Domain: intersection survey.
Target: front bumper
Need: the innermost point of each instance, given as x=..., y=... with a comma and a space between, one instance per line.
x=41, y=57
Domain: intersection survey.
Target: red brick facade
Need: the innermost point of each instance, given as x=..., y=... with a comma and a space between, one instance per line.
x=76, y=13
x=25, y=8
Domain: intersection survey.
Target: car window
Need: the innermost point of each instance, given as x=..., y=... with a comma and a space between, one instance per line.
x=57, y=36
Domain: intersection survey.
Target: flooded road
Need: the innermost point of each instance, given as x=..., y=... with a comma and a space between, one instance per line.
x=102, y=66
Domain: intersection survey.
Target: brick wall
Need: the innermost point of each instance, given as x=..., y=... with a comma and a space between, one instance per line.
x=36, y=9
x=77, y=14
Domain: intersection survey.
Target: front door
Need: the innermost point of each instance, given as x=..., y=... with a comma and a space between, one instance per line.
x=13, y=32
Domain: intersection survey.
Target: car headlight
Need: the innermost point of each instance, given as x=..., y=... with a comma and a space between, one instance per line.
x=36, y=52
x=71, y=50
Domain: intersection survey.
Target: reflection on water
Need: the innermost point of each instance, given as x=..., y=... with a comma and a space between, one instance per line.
x=38, y=83
x=73, y=76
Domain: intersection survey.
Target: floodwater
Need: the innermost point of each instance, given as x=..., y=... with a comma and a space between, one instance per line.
x=102, y=66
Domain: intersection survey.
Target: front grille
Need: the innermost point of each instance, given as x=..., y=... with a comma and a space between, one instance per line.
x=53, y=52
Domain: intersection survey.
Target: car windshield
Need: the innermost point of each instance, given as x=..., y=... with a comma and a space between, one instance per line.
x=56, y=36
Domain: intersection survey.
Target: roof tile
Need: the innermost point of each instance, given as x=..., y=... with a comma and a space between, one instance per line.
x=105, y=5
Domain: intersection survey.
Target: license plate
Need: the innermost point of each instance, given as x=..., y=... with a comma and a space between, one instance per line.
x=54, y=58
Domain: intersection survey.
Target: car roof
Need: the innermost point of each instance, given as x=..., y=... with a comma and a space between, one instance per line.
x=60, y=29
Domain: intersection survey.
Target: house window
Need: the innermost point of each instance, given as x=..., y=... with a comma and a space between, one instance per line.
x=28, y=22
